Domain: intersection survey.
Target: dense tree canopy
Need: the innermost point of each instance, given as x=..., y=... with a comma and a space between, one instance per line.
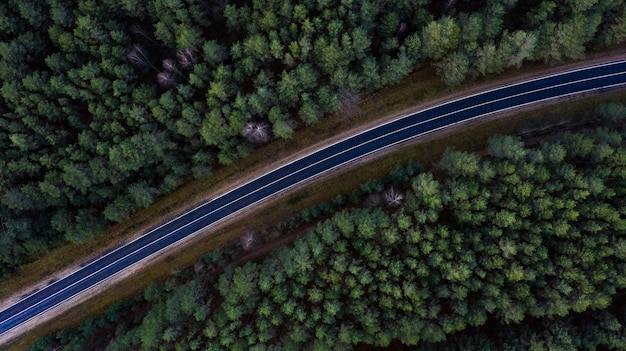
x=527, y=241
x=106, y=105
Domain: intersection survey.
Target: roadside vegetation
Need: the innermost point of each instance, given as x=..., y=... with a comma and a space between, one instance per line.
x=521, y=243
x=278, y=222
x=108, y=105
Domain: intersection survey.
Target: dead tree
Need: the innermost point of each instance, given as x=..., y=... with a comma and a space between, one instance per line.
x=140, y=32
x=166, y=79
x=249, y=240
x=139, y=58
x=449, y=4
x=186, y=58
x=393, y=198
x=401, y=28
x=256, y=132
x=169, y=65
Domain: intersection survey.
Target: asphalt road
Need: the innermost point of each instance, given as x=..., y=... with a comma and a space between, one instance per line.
x=593, y=78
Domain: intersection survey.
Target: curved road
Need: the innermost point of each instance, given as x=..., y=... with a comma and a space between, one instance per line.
x=592, y=78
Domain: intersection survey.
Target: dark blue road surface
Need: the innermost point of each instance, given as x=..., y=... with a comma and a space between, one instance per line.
x=593, y=78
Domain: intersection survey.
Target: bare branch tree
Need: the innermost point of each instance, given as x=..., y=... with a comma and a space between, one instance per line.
x=170, y=66
x=198, y=267
x=139, y=31
x=186, y=58
x=166, y=79
x=249, y=240
x=139, y=58
x=393, y=198
x=449, y=4
x=401, y=28
x=256, y=132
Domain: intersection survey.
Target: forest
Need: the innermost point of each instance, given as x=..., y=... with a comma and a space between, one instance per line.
x=107, y=105
x=520, y=247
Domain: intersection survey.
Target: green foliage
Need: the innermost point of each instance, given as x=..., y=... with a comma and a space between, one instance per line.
x=597, y=330
x=439, y=37
x=453, y=68
x=108, y=105
x=508, y=247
